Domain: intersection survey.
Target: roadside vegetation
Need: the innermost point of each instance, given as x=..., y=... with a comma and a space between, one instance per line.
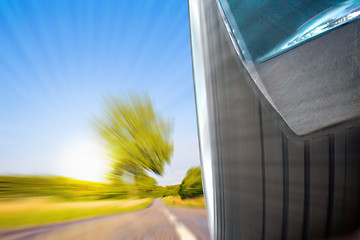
x=190, y=202
x=191, y=185
x=189, y=192
x=35, y=200
x=68, y=189
x=45, y=210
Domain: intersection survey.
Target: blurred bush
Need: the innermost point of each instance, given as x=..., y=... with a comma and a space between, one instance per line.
x=172, y=190
x=191, y=185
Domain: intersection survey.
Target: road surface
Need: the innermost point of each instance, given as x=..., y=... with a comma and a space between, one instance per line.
x=157, y=221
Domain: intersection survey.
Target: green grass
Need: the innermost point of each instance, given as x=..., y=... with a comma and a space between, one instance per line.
x=198, y=202
x=31, y=212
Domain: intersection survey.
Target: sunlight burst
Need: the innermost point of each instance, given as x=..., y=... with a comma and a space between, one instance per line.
x=83, y=159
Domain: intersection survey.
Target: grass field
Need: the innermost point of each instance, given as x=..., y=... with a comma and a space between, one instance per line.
x=44, y=210
x=190, y=202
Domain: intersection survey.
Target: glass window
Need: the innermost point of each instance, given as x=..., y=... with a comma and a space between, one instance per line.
x=266, y=28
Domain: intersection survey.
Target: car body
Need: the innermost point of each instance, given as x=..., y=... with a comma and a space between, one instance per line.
x=278, y=116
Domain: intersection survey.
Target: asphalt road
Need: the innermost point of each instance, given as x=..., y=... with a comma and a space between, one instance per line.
x=157, y=221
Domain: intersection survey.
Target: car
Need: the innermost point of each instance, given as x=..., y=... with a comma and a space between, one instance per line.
x=277, y=87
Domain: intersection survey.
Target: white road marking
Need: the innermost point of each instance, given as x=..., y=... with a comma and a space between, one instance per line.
x=183, y=232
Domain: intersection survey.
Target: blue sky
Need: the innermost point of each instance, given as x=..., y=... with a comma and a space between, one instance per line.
x=60, y=58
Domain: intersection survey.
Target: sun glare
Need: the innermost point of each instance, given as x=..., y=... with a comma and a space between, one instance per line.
x=83, y=159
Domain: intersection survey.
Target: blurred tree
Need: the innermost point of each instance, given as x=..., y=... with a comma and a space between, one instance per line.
x=145, y=185
x=137, y=138
x=191, y=185
x=172, y=190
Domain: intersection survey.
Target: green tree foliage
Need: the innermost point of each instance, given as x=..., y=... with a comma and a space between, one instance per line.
x=191, y=185
x=137, y=138
x=157, y=192
x=171, y=190
x=145, y=185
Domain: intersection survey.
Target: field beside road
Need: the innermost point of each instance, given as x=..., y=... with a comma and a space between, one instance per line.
x=44, y=210
x=189, y=202
x=157, y=221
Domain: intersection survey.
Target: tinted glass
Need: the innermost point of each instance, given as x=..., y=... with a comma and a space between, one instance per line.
x=266, y=28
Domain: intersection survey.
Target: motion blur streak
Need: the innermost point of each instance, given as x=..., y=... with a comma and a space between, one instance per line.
x=291, y=172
